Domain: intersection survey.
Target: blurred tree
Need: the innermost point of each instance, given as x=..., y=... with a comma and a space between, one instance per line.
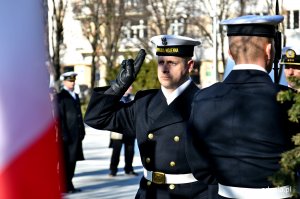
x=58, y=8
x=289, y=173
x=201, y=15
x=163, y=14
x=101, y=21
x=146, y=79
x=104, y=23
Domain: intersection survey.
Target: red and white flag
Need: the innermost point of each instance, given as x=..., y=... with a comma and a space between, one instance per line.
x=28, y=151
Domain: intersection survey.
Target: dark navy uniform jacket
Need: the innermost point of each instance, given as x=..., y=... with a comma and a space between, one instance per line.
x=241, y=128
x=71, y=125
x=160, y=131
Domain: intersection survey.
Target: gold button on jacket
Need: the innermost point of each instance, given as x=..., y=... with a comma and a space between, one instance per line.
x=150, y=136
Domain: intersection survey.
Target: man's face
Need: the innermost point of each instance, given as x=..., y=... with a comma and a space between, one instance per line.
x=69, y=84
x=173, y=71
x=292, y=71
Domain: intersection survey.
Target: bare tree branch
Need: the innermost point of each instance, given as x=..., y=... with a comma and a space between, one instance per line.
x=59, y=10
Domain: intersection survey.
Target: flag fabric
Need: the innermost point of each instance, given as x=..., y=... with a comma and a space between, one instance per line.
x=28, y=150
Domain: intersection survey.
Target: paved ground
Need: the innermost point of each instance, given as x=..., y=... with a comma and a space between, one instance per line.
x=92, y=177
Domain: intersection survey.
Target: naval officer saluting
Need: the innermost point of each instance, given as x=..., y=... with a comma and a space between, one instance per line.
x=238, y=123
x=158, y=119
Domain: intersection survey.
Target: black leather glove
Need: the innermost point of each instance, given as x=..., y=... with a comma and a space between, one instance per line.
x=128, y=72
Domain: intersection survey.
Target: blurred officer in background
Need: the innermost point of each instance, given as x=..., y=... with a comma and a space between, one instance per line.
x=238, y=123
x=158, y=119
x=71, y=127
x=116, y=142
x=291, y=61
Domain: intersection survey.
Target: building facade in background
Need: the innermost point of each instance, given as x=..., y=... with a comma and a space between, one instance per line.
x=146, y=18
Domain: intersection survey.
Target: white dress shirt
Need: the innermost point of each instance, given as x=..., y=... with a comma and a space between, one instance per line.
x=171, y=96
x=72, y=93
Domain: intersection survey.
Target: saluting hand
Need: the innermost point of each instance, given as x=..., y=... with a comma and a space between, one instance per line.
x=128, y=72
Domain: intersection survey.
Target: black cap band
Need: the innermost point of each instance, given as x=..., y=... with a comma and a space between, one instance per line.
x=178, y=51
x=251, y=30
x=291, y=61
x=70, y=78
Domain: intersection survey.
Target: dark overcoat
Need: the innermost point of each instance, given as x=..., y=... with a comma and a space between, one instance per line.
x=71, y=125
x=243, y=129
x=160, y=131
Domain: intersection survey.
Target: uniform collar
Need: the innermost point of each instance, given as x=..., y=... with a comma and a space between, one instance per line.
x=249, y=67
x=72, y=93
x=170, y=97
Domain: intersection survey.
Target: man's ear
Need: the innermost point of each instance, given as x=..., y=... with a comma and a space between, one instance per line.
x=229, y=53
x=268, y=51
x=190, y=64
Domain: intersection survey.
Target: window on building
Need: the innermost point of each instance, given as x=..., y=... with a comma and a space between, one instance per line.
x=296, y=19
x=288, y=20
x=137, y=29
x=131, y=3
x=177, y=27
x=292, y=21
x=68, y=68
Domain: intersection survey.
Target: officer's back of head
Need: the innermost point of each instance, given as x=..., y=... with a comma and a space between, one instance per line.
x=251, y=39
